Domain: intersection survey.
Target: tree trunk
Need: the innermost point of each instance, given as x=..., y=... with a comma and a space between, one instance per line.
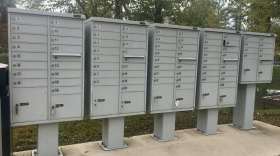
x=118, y=9
x=127, y=11
x=158, y=11
x=268, y=24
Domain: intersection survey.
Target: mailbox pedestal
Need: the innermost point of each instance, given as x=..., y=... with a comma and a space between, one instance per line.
x=243, y=113
x=207, y=120
x=47, y=140
x=112, y=134
x=164, y=127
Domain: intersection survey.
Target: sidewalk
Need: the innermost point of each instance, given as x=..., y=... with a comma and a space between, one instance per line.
x=262, y=141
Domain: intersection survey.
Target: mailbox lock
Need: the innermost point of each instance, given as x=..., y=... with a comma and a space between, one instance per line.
x=205, y=94
x=16, y=108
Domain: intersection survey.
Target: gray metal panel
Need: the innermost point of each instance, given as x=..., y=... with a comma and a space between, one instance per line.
x=28, y=29
x=29, y=38
x=66, y=32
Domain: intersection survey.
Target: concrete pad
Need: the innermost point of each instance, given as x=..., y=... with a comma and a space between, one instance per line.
x=262, y=141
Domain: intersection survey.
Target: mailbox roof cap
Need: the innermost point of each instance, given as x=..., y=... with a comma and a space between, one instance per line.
x=45, y=13
x=120, y=21
x=220, y=30
x=257, y=33
x=174, y=26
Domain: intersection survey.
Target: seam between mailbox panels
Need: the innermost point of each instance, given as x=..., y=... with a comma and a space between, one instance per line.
x=49, y=66
x=219, y=83
x=175, y=70
x=91, y=70
x=83, y=76
x=120, y=105
x=10, y=68
x=196, y=68
x=146, y=69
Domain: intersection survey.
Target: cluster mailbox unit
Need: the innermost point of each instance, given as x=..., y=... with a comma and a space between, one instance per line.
x=116, y=54
x=173, y=55
x=46, y=57
x=217, y=76
x=256, y=66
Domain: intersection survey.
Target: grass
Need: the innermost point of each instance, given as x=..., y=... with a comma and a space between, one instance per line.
x=4, y=58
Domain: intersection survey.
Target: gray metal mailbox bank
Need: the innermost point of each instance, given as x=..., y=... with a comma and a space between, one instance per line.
x=256, y=66
x=173, y=55
x=116, y=54
x=46, y=72
x=217, y=76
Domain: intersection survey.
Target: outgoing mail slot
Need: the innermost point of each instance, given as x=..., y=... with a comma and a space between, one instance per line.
x=104, y=58
x=213, y=42
x=66, y=65
x=133, y=73
x=66, y=32
x=105, y=74
x=231, y=49
x=213, y=35
x=24, y=47
x=230, y=43
x=165, y=32
x=66, y=73
x=40, y=30
x=188, y=33
x=228, y=79
x=134, y=58
x=133, y=102
x=209, y=94
x=249, y=38
x=210, y=67
x=24, y=104
x=106, y=66
x=133, y=37
x=228, y=73
x=165, y=46
x=29, y=74
x=266, y=57
x=138, y=52
x=135, y=29
x=228, y=85
x=66, y=82
x=210, y=79
x=101, y=101
x=163, y=73
x=185, y=98
x=128, y=66
x=105, y=43
x=266, y=51
x=229, y=67
x=133, y=80
x=29, y=65
x=210, y=73
x=217, y=49
x=185, y=73
x=105, y=51
x=133, y=88
x=185, y=67
x=66, y=40
x=66, y=106
x=266, y=45
x=29, y=38
x=106, y=35
x=165, y=39
x=267, y=40
x=104, y=26
x=182, y=47
x=164, y=60
x=18, y=56
x=180, y=80
x=187, y=54
x=66, y=23
x=66, y=90
x=227, y=96
x=187, y=41
x=164, y=53
x=164, y=66
x=106, y=81
x=66, y=49
x=163, y=80
x=162, y=97
x=66, y=57
x=232, y=37
x=251, y=45
x=29, y=83
x=211, y=55
x=251, y=50
x=132, y=44
x=210, y=61
x=29, y=19
x=250, y=56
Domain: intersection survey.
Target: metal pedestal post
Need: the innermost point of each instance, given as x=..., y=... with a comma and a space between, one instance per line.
x=47, y=140
x=243, y=113
x=164, y=127
x=5, y=127
x=207, y=121
x=112, y=134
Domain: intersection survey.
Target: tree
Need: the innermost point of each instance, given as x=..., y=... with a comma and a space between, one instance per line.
x=3, y=9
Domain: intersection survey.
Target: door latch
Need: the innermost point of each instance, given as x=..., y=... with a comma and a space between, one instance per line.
x=205, y=94
x=16, y=108
x=222, y=96
x=53, y=109
x=155, y=99
x=245, y=70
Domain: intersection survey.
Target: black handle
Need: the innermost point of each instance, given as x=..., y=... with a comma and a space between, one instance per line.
x=206, y=94
x=59, y=105
x=179, y=99
x=16, y=108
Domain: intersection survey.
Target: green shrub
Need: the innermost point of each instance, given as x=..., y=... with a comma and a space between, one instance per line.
x=4, y=58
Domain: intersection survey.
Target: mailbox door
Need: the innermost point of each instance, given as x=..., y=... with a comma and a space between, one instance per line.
x=209, y=94
x=227, y=96
x=264, y=72
x=185, y=98
x=162, y=97
x=249, y=70
x=132, y=102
